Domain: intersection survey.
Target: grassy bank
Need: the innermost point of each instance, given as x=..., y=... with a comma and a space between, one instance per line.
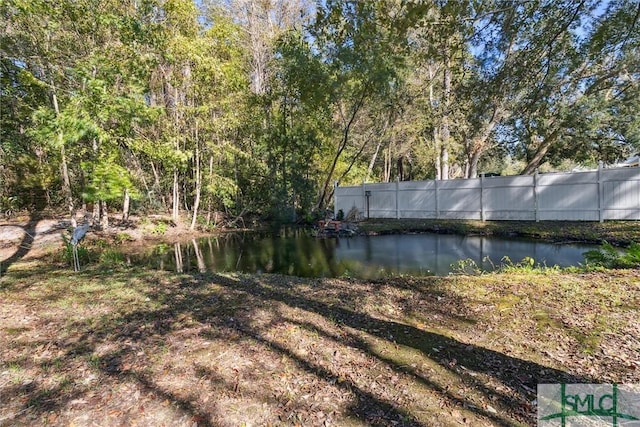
x=620, y=233
x=139, y=347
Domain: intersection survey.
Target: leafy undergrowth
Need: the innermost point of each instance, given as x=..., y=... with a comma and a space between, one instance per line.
x=619, y=233
x=138, y=347
x=610, y=257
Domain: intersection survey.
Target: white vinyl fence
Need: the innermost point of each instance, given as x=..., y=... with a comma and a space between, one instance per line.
x=604, y=194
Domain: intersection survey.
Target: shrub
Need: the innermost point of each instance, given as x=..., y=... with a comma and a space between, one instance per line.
x=609, y=256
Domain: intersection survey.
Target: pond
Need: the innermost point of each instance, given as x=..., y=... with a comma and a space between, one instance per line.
x=297, y=252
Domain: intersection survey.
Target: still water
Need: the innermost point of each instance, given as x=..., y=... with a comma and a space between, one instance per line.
x=297, y=252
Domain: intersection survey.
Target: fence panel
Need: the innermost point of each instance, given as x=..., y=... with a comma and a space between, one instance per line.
x=568, y=196
x=621, y=193
x=347, y=198
x=382, y=202
x=459, y=199
x=579, y=196
x=417, y=199
x=509, y=198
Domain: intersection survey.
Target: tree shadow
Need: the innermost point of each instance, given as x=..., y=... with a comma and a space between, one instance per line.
x=229, y=311
x=367, y=405
x=112, y=365
x=24, y=246
x=439, y=389
x=522, y=376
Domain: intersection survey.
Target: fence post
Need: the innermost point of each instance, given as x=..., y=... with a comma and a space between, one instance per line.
x=364, y=199
x=535, y=196
x=437, y=206
x=397, y=198
x=482, y=196
x=335, y=200
x=600, y=192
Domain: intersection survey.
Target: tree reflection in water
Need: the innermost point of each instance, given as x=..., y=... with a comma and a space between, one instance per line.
x=298, y=253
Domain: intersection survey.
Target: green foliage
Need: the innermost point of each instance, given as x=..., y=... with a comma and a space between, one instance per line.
x=111, y=257
x=127, y=98
x=223, y=190
x=8, y=203
x=160, y=228
x=85, y=256
x=123, y=237
x=526, y=265
x=465, y=267
x=108, y=181
x=608, y=256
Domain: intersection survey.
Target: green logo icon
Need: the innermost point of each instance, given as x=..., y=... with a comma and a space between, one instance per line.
x=566, y=405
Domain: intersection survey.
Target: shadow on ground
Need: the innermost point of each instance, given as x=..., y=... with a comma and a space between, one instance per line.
x=24, y=246
x=204, y=343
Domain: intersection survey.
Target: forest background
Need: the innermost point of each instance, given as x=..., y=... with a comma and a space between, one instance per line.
x=256, y=107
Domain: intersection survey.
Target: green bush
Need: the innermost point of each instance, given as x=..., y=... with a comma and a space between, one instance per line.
x=609, y=256
x=84, y=255
x=160, y=228
x=112, y=257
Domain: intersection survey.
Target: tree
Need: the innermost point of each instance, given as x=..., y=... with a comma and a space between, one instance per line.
x=356, y=41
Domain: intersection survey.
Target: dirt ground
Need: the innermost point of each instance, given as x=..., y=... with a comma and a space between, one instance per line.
x=28, y=238
x=136, y=347
x=128, y=346
x=43, y=235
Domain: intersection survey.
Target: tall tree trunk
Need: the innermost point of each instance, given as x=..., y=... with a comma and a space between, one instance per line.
x=104, y=215
x=196, y=202
x=445, y=132
x=480, y=143
x=342, y=145
x=538, y=157
x=210, y=179
x=175, y=210
x=66, y=182
x=387, y=164
x=125, y=205
x=473, y=164
x=373, y=161
x=436, y=141
x=444, y=163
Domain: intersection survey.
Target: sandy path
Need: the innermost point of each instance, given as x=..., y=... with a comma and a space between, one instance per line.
x=28, y=239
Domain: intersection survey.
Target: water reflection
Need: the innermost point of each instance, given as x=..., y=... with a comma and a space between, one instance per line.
x=298, y=253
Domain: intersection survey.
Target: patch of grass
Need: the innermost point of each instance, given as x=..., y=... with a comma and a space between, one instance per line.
x=506, y=303
x=159, y=228
x=544, y=320
x=17, y=374
x=15, y=331
x=526, y=265
x=618, y=233
x=208, y=346
x=111, y=257
x=123, y=237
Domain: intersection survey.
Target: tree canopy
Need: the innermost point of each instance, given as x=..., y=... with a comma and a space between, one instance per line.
x=258, y=107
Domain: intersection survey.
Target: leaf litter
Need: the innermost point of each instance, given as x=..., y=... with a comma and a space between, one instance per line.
x=137, y=347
